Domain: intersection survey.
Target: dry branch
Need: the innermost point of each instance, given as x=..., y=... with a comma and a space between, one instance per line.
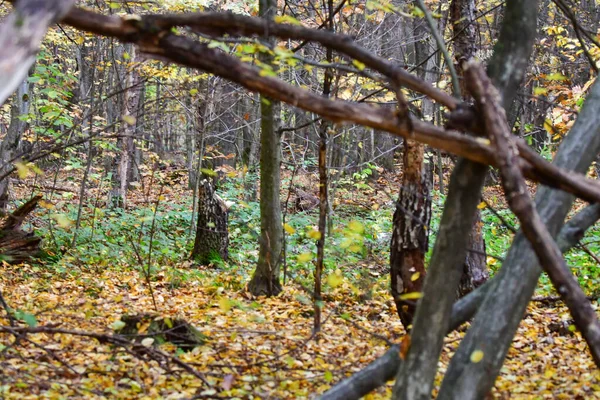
x=517, y=194
x=152, y=34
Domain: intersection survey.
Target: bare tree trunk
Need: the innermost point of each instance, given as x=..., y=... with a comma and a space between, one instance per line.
x=462, y=15
x=413, y=210
x=124, y=171
x=323, y=185
x=265, y=280
x=507, y=68
x=10, y=143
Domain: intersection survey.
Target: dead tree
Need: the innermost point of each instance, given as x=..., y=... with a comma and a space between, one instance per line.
x=212, y=238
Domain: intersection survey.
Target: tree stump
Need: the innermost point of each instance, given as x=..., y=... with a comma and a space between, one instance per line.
x=17, y=245
x=212, y=237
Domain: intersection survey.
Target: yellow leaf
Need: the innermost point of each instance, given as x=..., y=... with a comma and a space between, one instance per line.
x=556, y=77
x=538, y=91
x=22, y=170
x=45, y=204
x=286, y=19
x=415, y=276
x=411, y=296
x=334, y=280
x=476, y=356
x=289, y=229
x=316, y=235
x=117, y=325
x=356, y=227
x=481, y=205
x=356, y=248
x=62, y=220
x=129, y=119
x=225, y=304
x=304, y=257
x=359, y=65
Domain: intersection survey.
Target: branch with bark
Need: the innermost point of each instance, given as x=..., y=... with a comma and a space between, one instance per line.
x=517, y=195
x=384, y=368
x=153, y=36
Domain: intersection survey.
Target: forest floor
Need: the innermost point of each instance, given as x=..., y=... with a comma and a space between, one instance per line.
x=255, y=347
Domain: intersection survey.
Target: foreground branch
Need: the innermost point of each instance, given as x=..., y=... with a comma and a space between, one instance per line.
x=384, y=368
x=152, y=33
x=20, y=37
x=533, y=228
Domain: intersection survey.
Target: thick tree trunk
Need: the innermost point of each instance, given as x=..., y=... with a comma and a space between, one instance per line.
x=507, y=68
x=413, y=210
x=212, y=238
x=410, y=231
x=265, y=280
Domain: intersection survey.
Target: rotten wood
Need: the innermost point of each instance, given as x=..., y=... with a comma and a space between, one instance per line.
x=17, y=245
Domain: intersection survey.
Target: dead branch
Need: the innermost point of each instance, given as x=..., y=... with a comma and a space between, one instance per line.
x=517, y=195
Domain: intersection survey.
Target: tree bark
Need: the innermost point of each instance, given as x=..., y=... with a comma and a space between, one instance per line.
x=413, y=209
x=10, y=144
x=212, y=238
x=265, y=280
x=507, y=68
x=20, y=37
x=499, y=315
x=462, y=16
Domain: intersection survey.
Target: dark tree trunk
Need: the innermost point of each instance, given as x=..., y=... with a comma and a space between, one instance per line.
x=413, y=210
x=410, y=235
x=212, y=238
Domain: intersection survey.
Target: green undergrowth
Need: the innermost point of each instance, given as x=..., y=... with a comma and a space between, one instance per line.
x=158, y=241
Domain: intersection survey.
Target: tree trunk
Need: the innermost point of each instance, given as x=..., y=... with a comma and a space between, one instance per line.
x=10, y=143
x=265, y=280
x=462, y=15
x=212, y=238
x=413, y=210
x=410, y=231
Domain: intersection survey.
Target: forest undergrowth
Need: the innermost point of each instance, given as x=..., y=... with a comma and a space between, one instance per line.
x=137, y=262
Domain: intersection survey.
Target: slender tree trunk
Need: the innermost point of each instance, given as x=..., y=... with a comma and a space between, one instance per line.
x=462, y=15
x=10, y=144
x=323, y=184
x=265, y=280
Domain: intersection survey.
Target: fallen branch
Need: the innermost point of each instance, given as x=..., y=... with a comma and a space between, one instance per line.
x=133, y=348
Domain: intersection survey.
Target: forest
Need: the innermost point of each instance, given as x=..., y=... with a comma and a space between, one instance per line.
x=334, y=199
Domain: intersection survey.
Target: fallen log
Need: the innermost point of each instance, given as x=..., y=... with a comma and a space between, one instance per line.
x=17, y=245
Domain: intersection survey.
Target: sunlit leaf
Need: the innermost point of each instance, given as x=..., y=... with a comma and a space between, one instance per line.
x=477, y=356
